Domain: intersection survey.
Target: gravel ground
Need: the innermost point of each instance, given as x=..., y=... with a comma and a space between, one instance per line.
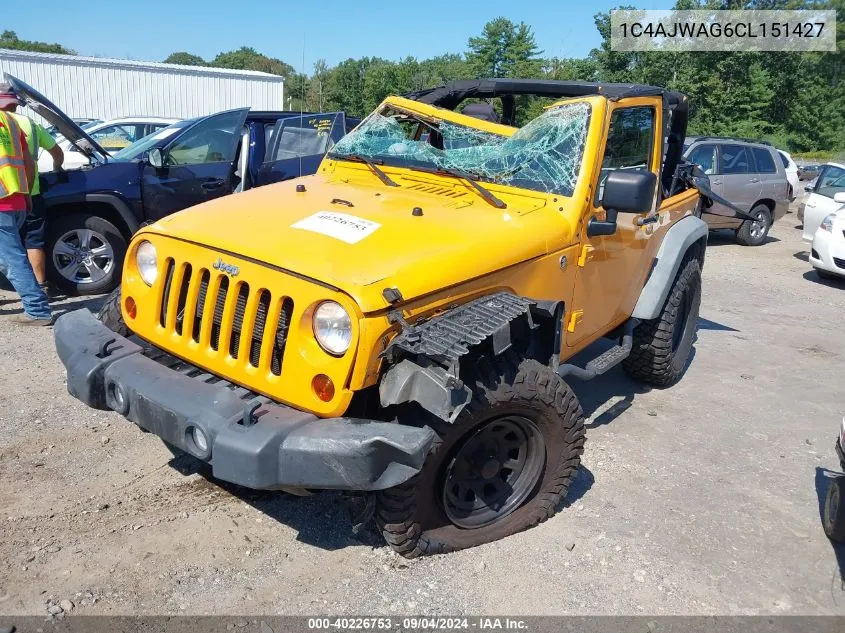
x=699, y=499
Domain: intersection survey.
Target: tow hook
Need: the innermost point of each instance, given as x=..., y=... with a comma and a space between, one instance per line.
x=249, y=417
x=106, y=350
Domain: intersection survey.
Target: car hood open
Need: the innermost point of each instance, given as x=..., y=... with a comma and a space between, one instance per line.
x=64, y=124
x=365, y=238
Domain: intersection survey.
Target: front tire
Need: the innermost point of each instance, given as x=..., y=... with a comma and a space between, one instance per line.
x=755, y=233
x=662, y=346
x=111, y=316
x=834, y=510
x=502, y=467
x=84, y=254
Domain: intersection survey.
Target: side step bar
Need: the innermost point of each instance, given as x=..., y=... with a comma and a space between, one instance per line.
x=600, y=364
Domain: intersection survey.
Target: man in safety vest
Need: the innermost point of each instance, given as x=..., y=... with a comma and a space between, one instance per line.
x=34, y=228
x=17, y=169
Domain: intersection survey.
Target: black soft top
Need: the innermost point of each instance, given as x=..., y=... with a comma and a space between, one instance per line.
x=450, y=95
x=675, y=104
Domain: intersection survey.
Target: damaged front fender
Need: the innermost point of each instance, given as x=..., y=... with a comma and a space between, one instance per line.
x=426, y=357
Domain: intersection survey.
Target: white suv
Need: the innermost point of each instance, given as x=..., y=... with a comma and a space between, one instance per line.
x=112, y=135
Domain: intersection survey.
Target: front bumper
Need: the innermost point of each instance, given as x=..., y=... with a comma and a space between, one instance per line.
x=251, y=441
x=828, y=251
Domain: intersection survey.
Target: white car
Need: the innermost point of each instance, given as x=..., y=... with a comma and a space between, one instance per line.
x=791, y=170
x=824, y=221
x=112, y=135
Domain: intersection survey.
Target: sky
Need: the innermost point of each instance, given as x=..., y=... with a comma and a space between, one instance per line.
x=332, y=30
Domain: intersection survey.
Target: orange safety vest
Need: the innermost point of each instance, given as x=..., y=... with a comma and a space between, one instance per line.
x=12, y=167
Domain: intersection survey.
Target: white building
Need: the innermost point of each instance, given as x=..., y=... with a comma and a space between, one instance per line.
x=101, y=88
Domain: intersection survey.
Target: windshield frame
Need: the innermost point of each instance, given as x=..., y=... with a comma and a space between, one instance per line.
x=432, y=115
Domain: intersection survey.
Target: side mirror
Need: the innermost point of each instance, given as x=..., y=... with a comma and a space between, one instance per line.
x=839, y=197
x=808, y=188
x=624, y=192
x=156, y=158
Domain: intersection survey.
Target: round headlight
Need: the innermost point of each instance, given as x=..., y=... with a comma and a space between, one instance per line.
x=332, y=327
x=145, y=258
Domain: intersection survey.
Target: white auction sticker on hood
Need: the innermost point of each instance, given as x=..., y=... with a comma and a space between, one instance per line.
x=343, y=227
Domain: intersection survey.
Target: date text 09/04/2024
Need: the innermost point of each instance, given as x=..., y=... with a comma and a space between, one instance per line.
x=718, y=30
x=415, y=624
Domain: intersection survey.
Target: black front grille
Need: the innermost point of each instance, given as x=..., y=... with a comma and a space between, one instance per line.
x=840, y=263
x=238, y=321
x=281, y=336
x=256, y=330
x=168, y=280
x=183, y=296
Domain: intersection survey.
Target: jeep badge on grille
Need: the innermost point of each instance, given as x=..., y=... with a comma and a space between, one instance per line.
x=223, y=267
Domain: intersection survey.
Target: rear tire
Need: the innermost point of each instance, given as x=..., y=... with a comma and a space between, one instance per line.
x=834, y=510
x=111, y=316
x=434, y=512
x=662, y=346
x=755, y=233
x=69, y=237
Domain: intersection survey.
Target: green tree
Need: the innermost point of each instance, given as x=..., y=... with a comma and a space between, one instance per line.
x=9, y=39
x=296, y=88
x=439, y=70
x=504, y=49
x=344, y=89
x=317, y=84
x=185, y=59
x=247, y=58
x=796, y=100
x=383, y=78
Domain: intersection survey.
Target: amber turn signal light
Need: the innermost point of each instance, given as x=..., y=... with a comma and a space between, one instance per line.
x=323, y=387
x=131, y=308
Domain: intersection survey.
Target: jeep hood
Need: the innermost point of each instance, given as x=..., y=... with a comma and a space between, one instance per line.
x=420, y=237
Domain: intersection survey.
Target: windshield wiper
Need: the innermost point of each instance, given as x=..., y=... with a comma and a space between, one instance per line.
x=472, y=179
x=369, y=163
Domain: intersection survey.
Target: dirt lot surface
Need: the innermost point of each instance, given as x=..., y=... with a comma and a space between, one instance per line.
x=699, y=499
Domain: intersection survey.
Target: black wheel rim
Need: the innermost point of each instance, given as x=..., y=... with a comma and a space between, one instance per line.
x=493, y=471
x=681, y=320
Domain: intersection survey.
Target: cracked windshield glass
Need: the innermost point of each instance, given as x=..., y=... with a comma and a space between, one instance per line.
x=545, y=155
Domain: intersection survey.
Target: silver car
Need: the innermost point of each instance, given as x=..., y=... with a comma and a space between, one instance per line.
x=748, y=174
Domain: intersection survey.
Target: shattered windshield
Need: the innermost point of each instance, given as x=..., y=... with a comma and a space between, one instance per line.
x=545, y=155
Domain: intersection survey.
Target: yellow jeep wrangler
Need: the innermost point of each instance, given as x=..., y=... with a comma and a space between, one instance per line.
x=399, y=325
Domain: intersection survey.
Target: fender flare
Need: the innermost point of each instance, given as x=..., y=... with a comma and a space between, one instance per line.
x=677, y=241
x=114, y=201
